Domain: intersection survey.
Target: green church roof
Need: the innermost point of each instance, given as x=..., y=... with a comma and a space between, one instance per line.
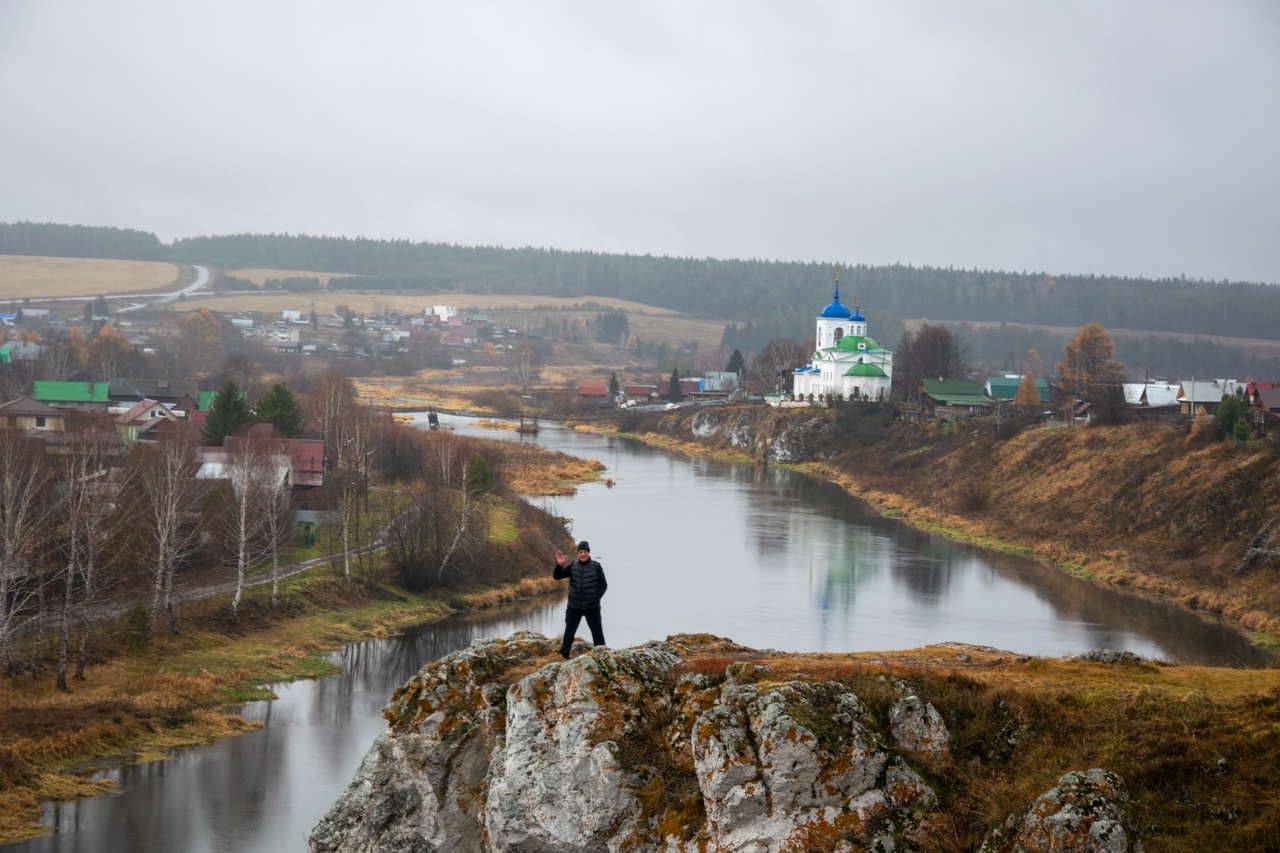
x=856, y=343
x=864, y=369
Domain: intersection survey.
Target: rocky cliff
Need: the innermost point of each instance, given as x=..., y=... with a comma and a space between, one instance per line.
x=680, y=745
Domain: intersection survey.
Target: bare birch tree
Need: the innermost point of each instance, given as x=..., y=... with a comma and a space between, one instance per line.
x=88, y=512
x=277, y=512
x=329, y=408
x=251, y=469
x=526, y=363
x=350, y=479
x=170, y=493
x=25, y=507
x=472, y=489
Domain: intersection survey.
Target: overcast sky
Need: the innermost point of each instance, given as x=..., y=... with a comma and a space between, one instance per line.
x=1131, y=138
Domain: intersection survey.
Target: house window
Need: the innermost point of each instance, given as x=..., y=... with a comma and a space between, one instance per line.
x=39, y=421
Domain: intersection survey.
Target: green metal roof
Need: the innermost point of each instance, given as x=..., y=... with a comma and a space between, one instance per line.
x=71, y=392
x=1007, y=389
x=855, y=343
x=956, y=392
x=207, y=398
x=864, y=369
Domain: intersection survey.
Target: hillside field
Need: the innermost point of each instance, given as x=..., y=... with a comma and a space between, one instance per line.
x=23, y=276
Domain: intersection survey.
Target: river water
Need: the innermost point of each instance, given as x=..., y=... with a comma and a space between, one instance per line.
x=769, y=558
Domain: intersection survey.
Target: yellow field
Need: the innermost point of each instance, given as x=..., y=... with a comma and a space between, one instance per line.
x=23, y=276
x=259, y=276
x=325, y=302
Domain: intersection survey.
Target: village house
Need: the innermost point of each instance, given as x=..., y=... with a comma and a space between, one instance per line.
x=951, y=398
x=1151, y=395
x=130, y=391
x=1006, y=387
x=593, y=391
x=1206, y=394
x=1264, y=403
x=12, y=351
x=25, y=413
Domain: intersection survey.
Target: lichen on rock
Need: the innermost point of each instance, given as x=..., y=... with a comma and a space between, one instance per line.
x=1086, y=811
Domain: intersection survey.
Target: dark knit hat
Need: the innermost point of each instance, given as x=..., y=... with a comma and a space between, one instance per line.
x=584, y=546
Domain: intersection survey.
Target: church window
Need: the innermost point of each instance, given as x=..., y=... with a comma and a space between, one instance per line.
x=839, y=334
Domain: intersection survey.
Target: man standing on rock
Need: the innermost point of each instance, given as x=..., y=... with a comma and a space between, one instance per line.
x=586, y=588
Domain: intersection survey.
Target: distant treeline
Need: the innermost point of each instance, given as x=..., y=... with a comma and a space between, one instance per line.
x=80, y=241
x=292, y=284
x=764, y=293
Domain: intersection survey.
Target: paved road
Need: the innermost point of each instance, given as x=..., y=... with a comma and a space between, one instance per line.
x=149, y=299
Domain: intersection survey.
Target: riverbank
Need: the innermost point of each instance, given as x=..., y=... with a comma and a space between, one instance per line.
x=1138, y=506
x=181, y=690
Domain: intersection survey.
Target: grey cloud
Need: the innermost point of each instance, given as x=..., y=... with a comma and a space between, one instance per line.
x=1133, y=139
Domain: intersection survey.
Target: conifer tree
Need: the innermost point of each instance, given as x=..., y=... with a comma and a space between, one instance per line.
x=279, y=408
x=674, y=393
x=229, y=412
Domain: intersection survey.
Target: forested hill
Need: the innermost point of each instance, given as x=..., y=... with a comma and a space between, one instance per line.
x=732, y=290
x=80, y=241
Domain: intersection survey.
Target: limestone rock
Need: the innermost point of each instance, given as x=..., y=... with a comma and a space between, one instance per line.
x=503, y=747
x=1086, y=812
x=918, y=728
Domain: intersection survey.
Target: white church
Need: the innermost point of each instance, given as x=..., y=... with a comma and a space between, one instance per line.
x=846, y=362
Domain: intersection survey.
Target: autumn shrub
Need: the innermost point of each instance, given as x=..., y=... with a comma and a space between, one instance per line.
x=496, y=400
x=973, y=494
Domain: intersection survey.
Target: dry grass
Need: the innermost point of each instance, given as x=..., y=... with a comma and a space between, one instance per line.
x=534, y=470
x=22, y=276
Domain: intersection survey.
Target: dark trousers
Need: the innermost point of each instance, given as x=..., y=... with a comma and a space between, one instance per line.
x=573, y=618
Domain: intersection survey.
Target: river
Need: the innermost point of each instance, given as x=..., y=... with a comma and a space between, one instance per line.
x=767, y=557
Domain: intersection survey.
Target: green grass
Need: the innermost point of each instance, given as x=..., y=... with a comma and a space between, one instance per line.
x=1078, y=570
x=1266, y=640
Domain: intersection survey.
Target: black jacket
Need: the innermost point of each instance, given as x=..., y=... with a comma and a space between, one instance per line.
x=586, y=583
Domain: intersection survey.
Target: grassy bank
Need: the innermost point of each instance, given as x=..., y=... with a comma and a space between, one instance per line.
x=178, y=691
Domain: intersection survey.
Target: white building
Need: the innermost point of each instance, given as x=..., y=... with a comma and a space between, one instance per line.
x=846, y=362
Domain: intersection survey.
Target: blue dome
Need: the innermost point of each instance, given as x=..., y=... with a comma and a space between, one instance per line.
x=857, y=316
x=836, y=309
